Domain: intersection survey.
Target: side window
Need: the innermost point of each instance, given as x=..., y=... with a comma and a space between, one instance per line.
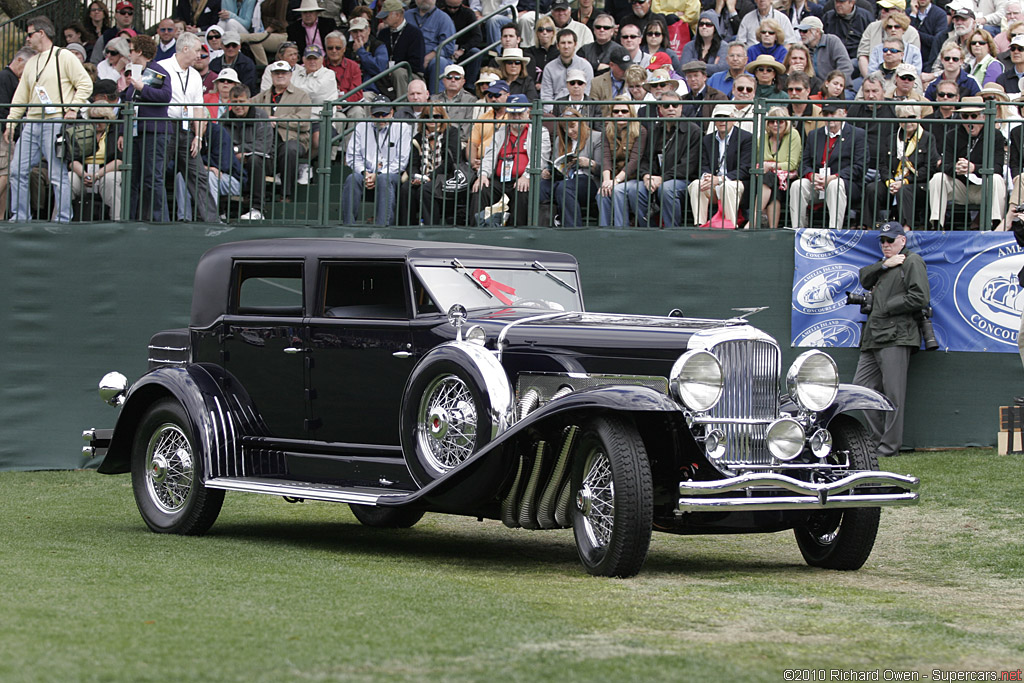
x=364, y=290
x=268, y=288
x=424, y=302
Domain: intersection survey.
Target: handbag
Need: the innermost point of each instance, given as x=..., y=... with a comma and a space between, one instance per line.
x=459, y=180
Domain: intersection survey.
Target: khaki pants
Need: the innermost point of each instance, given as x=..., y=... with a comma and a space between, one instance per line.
x=108, y=187
x=941, y=186
x=263, y=44
x=727, y=193
x=802, y=195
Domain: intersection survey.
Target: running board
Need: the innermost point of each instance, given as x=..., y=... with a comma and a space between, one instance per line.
x=307, y=490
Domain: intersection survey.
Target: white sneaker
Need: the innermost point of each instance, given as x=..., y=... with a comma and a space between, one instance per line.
x=305, y=173
x=251, y=215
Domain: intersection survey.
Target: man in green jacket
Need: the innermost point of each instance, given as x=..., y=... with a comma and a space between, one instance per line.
x=899, y=285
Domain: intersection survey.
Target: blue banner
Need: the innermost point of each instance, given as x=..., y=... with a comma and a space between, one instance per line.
x=976, y=299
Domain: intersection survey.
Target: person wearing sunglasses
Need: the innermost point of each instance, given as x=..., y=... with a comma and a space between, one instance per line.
x=378, y=153
x=888, y=56
x=117, y=58
x=981, y=63
x=768, y=34
x=234, y=58
x=959, y=180
x=543, y=50
x=951, y=60
x=676, y=146
x=506, y=164
x=724, y=172
x=577, y=99
x=625, y=141
x=798, y=87
x=124, y=17
x=906, y=86
x=877, y=30
x=750, y=25
x=1014, y=71
x=454, y=93
x=768, y=72
x=656, y=43
x=947, y=94
x=892, y=51
x=707, y=46
x=513, y=67
x=905, y=168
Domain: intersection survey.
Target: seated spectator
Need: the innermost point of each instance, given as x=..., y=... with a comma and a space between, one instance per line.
x=947, y=94
x=214, y=41
x=656, y=41
x=743, y=89
x=876, y=31
x=435, y=156
x=905, y=167
x=736, y=61
x=636, y=84
x=76, y=33
x=416, y=109
x=847, y=22
x=577, y=99
x=314, y=78
x=454, y=93
x=932, y=24
x=798, y=61
x=218, y=101
x=673, y=158
x=701, y=98
x=311, y=27
x=629, y=37
x=598, y=53
x=798, y=88
x=951, y=57
x=378, y=154
x=236, y=15
x=625, y=141
x=707, y=46
x=166, y=32
x=288, y=52
x=1004, y=36
x=196, y=14
x=504, y=169
x=513, y=69
x=436, y=27
x=638, y=14
x=906, y=86
x=404, y=42
x=78, y=50
x=958, y=180
x=243, y=65
x=768, y=72
x=117, y=52
x=750, y=25
x=553, y=83
x=561, y=14
x=223, y=166
x=290, y=122
x=347, y=73
x=611, y=83
x=782, y=153
x=767, y=43
x=483, y=131
x=1010, y=78
x=895, y=28
x=572, y=167
x=510, y=38
x=833, y=166
x=991, y=15
x=825, y=51
x=95, y=166
x=369, y=53
x=725, y=171
x=488, y=77
x=833, y=88
x=892, y=51
x=982, y=62
x=471, y=42
x=253, y=137
x=269, y=29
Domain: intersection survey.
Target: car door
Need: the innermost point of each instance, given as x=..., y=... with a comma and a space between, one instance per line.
x=361, y=353
x=264, y=342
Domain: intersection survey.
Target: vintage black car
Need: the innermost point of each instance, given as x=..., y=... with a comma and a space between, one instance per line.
x=406, y=377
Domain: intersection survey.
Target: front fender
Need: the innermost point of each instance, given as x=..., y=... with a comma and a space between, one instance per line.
x=849, y=397
x=218, y=417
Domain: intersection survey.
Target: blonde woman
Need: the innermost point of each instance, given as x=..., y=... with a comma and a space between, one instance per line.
x=624, y=143
x=770, y=42
x=782, y=150
x=982, y=64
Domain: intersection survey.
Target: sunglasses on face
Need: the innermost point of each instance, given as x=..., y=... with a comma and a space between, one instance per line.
x=125, y=12
x=971, y=116
x=379, y=115
x=206, y=56
x=803, y=30
x=623, y=112
x=576, y=83
x=112, y=53
x=886, y=240
x=744, y=88
x=670, y=105
x=948, y=58
x=946, y=95
x=492, y=96
x=1016, y=48
x=633, y=36
x=654, y=33
x=765, y=70
x=795, y=89
x=705, y=24
x=978, y=42
x=599, y=28
x=892, y=27
x=166, y=30
x=891, y=50
x=906, y=77
x=545, y=30
x=767, y=33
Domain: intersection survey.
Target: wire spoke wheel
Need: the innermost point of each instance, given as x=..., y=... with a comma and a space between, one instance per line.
x=447, y=423
x=596, y=500
x=169, y=470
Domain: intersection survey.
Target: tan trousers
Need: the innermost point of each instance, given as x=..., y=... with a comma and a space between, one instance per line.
x=263, y=44
x=941, y=187
x=108, y=187
x=802, y=195
x=727, y=193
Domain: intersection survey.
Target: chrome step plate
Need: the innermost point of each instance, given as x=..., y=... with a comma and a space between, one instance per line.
x=305, y=490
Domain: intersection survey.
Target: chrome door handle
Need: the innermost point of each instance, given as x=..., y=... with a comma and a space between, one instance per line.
x=402, y=354
x=293, y=349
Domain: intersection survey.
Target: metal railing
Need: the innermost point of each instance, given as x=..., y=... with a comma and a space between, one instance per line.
x=12, y=31
x=480, y=22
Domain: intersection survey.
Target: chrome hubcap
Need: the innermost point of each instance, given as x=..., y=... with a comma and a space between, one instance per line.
x=169, y=468
x=448, y=423
x=596, y=500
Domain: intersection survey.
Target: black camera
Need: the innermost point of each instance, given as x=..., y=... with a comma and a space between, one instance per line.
x=865, y=301
x=924, y=324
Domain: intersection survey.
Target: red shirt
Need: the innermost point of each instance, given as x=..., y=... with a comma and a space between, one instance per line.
x=349, y=76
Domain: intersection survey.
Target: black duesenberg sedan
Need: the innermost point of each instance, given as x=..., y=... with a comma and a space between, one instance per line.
x=407, y=377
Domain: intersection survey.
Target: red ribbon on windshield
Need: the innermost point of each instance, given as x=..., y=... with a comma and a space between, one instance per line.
x=496, y=288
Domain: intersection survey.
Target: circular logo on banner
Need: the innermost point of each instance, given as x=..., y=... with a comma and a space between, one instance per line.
x=987, y=295
x=830, y=333
x=824, y=289
x=938, y=285
x=824, y=244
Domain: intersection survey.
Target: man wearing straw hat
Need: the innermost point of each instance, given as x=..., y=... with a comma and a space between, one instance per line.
x=311, y=28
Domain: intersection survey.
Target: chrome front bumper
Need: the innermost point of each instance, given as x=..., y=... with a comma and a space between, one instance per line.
x=761, y=491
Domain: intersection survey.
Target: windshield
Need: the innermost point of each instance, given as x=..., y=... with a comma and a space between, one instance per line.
x=490, y=286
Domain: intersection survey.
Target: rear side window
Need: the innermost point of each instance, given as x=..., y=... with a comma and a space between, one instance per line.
x=268, y=288
x=364, y=290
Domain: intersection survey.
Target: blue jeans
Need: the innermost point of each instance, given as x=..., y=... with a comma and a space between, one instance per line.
x=39, y=139
x=672, y=193
x=614, y=210
x=571, y=196
x=385, y=194
x=492, y=27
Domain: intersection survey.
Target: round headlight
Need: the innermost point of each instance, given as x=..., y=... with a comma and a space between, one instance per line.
x=696, y=380
x=785, y=438
x=813, y=381
x=476, y=335
x=821, y=443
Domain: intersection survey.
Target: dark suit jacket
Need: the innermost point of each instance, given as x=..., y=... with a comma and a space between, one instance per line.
x=207, y=18
x=925, y=160
x=673, y=153
x=709, y=94
x=846, y=159
x=737, y=155
x=244, y=67
x=958, y=144
x=297, y=34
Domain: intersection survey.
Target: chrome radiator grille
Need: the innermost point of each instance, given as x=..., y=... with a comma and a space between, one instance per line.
x=752, y=369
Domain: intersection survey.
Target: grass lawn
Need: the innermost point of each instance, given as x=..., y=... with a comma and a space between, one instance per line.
x=278, y=591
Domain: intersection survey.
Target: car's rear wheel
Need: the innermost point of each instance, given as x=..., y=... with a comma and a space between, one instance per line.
x=842, y=539
x=167, y=474
x=613, y=508
x=385, y=518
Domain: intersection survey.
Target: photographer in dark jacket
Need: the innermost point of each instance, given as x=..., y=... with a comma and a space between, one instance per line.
x=898, y=284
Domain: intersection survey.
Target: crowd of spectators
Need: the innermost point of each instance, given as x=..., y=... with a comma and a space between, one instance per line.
x=875, y=110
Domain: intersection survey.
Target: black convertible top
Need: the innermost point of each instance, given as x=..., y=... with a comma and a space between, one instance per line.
x=213, y=273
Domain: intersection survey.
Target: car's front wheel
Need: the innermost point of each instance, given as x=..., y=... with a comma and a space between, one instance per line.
x=842, y=539
x=613, y=508
x=167, y=474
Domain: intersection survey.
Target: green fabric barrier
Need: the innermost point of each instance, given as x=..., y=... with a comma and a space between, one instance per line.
x=82, y=300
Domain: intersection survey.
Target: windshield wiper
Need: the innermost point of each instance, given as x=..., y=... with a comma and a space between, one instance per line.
x=537, y=265
x=458, y=266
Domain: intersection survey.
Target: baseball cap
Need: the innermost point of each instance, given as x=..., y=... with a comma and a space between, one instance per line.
x=619, y=57
x=124, y=4
x=103, y=86
x=963, y=13
x=560, y=4
x=453, y=69
x=521, y=102
x=227, y=74
x=498, y=87
x=906, y=70
x=1018, y=40
x=381, y=105
x=808, y=23
x=575, y=75
x=659, y=60
x=390, y=6
x=358, y=24
x=831, y=107
x=231, y=38
x=723, y=110
x=280, y=65
x=487, y=78
x=313, y=51
x=891, y=230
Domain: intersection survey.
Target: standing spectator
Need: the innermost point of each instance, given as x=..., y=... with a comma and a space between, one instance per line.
x=197, y=14
x=906, y=166
x=202, y=67
x=253, y=136
x=435, y=156
x=123, y=18
x=847, y=22
x=291, y=123
x=454, y=93
x=677, y=147
x=62, y=93
x=783, y=148
x=725, y=171
x=166, y=32
x=311, y=27
x=598, y=53
x=404, y=42
x=116, y=59
x=931, y=23
x=572, y=167
x=951, y=58
x=186, y=137
x=469, y=43
x=233, y=57
x=767, y=43
x=436, y=27
x=751, y=24
x=962, y=156
x=899, y=283
x=96, y=22
x=504, y=169
x=982, y=62
x=1010, y=78
x=736, y=60
x=553, y=83
x=9, y=77
x=365, y=50
x=624, y=143
x=707, y=46
x=152, y=93
x=513, y=69
x=833, y=164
